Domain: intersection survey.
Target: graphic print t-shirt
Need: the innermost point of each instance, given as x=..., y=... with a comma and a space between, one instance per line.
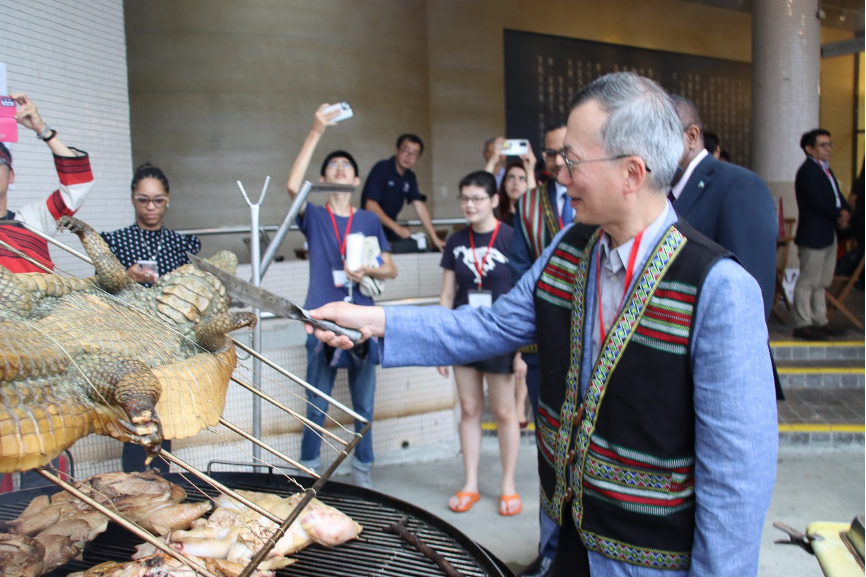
x=458, y=256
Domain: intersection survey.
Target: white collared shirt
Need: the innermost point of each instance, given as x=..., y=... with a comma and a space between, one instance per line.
x=561, y=192
x=677, y=189
x=825, y=166
x=613, y=263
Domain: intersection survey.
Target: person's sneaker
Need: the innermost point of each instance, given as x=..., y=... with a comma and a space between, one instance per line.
x=831, y=330
x=810, y=334
x=539, y=568
x=362, y=478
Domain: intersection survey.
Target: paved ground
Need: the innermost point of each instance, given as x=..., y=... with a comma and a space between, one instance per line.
x=813, y=484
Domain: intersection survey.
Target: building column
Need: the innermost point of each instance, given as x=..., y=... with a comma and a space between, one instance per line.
x=786, y=80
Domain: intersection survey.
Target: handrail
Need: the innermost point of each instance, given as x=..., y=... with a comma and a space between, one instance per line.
x=237, y=229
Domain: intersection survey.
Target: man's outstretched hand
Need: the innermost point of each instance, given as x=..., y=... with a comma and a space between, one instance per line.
x=369, y=320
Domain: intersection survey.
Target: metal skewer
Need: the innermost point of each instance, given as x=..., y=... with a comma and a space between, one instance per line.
x=219, y=486
x=298, y=416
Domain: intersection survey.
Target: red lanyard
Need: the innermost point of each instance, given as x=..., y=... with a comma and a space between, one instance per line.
x=480, y=268
x=629, y=273
x=559, y=210
x=341, y=243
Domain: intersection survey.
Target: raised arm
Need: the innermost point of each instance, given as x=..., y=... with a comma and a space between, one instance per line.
x=495, y=157
x=302, y=162
x=28, y=116
x=529, y=161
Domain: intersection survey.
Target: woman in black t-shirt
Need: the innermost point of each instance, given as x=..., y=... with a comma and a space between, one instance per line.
x=476, y=272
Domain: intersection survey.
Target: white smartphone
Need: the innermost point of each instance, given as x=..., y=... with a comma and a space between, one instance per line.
x=344, y=108
x=149, y=266
x=515, y=147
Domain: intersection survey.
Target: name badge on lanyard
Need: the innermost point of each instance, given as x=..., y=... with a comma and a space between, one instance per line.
x=480, y=298
x=340, y=278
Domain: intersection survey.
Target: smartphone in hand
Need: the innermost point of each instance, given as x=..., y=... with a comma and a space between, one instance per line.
x=344, y=108
x=8, y=125
x=514, y=147
x=149, y=266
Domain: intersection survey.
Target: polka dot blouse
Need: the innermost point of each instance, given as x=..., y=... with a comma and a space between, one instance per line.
x=166, y=247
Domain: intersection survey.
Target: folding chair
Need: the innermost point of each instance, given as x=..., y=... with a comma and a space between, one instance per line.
x=783, y=247
x=837, y=301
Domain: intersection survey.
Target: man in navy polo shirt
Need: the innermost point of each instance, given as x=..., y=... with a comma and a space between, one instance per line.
x=392, y=184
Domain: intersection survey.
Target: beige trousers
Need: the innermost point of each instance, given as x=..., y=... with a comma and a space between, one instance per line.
x=816, y=274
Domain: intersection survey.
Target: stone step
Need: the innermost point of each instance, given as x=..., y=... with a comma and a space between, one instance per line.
x=832, y=350
x=821, y=373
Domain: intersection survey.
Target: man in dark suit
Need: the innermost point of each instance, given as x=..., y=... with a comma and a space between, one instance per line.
x=727, y=203
x=822, y=208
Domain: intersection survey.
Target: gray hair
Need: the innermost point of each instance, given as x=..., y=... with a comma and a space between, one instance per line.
x=641, y=120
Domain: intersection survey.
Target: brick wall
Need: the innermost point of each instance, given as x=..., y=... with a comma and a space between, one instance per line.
x=70, y=58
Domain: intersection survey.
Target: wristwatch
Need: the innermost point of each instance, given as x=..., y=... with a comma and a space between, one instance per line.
x=47, y=134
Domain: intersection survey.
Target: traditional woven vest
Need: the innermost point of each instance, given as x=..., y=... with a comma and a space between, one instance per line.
x=539, y=220
x=25, y=241
x=623, y=456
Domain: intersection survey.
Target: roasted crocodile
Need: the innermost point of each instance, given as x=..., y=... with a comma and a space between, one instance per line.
x=108, y=356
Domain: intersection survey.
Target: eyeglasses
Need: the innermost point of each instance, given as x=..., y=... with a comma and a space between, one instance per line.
x=570, y=164
x=824, y=144
x=6, y=162
x=474, y=200
x=340, y=165
x=551, y=153
x=410, y=152
x=143, y=201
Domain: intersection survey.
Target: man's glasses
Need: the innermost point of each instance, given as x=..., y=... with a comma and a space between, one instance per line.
x=4, y=161
x=825, y=144
x=474, y=200
x=143, y=201
x=340, y=165
x=551, y=153
x=409, y=152
x=570, y=164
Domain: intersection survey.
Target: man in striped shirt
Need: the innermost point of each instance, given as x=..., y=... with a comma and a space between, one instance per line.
x=76, y=181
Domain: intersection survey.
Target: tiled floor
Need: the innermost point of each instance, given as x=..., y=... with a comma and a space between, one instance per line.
x=822, y=406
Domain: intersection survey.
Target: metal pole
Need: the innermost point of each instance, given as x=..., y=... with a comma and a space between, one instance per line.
x=255, y=260
x=299, y=201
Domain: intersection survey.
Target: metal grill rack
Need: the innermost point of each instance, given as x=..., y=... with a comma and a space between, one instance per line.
x=376, y=552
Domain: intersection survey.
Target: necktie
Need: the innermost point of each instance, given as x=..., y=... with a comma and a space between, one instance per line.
x=565, y=211
x=833, y=186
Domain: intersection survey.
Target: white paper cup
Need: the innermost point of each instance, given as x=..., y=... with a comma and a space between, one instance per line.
x=354, y=251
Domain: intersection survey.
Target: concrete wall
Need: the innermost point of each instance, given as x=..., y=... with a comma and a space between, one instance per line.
x=70, y=58
x=225, y=90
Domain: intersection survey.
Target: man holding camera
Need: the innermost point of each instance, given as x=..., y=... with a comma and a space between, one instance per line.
x=326, y=229
x=76, y=182
x=392, y=184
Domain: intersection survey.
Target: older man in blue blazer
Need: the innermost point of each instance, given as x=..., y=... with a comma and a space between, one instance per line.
x=727, y=203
